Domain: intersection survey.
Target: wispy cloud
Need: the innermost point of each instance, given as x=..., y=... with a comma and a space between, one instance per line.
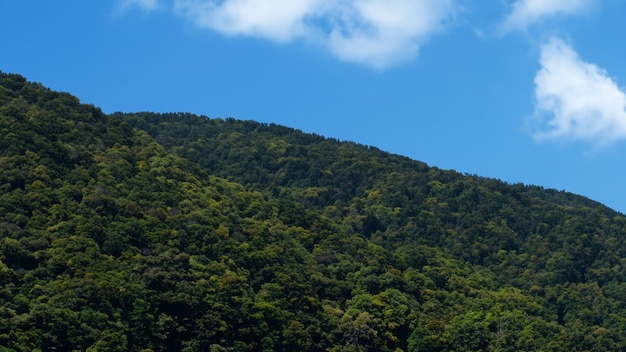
x=376, y=33
x=526, y=12
x=146, y=5
x=577, y=100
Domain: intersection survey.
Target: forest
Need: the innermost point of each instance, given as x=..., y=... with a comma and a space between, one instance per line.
x=177, y=232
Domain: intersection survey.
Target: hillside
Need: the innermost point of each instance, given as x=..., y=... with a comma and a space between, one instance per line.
x=175, y=232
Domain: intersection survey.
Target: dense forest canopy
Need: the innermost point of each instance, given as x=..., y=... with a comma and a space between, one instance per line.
x=176, y=232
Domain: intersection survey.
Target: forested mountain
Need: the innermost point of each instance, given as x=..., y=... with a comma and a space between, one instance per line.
x=175, y=232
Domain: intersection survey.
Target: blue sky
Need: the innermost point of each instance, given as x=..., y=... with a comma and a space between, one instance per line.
x=530, y=91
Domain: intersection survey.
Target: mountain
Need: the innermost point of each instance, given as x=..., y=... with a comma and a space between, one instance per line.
x=176, y=232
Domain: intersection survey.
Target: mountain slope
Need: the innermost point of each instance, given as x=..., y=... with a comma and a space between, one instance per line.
x=387, y=196
x=177, y=232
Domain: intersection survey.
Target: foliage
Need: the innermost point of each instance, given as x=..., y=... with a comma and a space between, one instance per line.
x=174, y=232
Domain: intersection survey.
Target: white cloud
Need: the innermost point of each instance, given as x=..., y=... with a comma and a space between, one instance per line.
x=377, y=33
x=380, y=33
x=576, y=100
x=279, y=20
x=527, y=12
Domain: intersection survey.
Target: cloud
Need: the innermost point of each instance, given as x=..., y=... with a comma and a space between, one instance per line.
x=278, y=20
x=376, y=33
x=146, y=5
x=527, y=12
x=576, y=100
x=380, y=33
